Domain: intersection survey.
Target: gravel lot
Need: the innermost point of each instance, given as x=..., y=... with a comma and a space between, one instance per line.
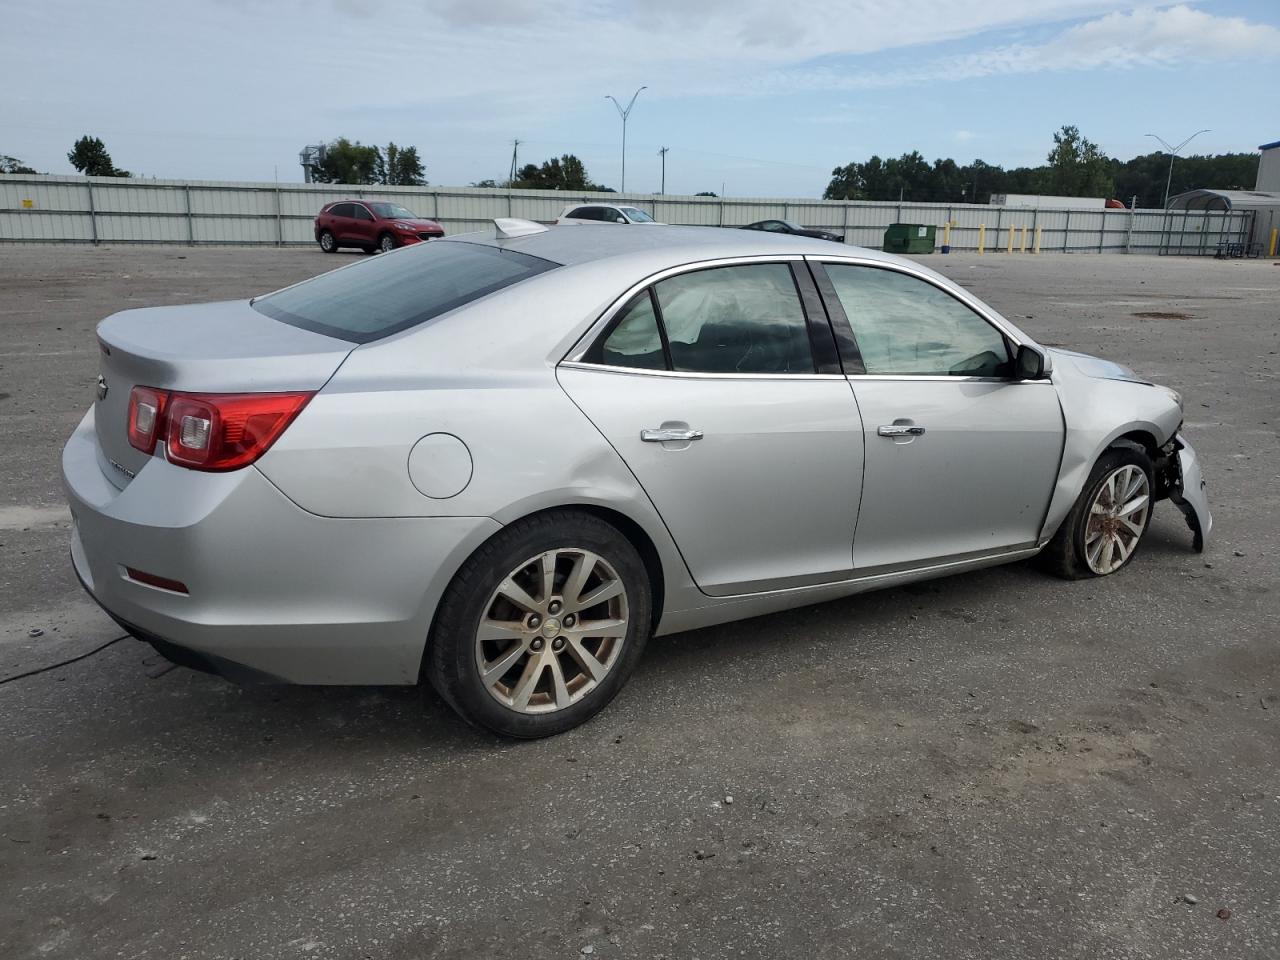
x=993, y=765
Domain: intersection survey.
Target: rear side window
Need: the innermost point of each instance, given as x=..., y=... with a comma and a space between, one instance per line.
x=584, y=213
x=376, y=298
x=341, y=210
x=744, y=319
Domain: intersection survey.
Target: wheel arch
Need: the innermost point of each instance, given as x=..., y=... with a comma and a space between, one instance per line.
x=628, y=527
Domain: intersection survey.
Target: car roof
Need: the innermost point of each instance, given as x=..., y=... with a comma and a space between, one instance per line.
x=659, y=245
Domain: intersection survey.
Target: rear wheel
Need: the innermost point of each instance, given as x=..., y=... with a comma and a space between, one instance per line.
x=1102, y=532
x=542, y=626
x=328, y=242
x=386, y=243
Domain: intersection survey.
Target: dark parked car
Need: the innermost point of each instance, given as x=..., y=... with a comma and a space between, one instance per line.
x=371, y=225
x=790, y=226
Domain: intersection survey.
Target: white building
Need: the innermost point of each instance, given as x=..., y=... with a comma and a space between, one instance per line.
x=1269, y=168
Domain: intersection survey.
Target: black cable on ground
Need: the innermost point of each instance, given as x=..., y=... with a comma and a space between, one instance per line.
x=64, y=663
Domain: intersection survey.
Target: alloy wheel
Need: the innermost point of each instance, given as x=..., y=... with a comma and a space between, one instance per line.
x=387, y=244
x=551, y=631
x=1117, y=519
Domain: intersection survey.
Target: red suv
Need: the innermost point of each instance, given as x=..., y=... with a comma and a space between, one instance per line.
x=371, y=225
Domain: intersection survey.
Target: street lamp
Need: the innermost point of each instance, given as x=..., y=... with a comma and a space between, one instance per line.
x=1173, y=152
x=624, y=114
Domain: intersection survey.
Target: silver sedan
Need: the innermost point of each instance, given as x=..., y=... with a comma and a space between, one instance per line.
x=502, y=461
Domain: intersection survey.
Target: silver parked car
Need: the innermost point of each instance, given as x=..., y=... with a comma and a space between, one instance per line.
x=604, y=213
x=503, y=460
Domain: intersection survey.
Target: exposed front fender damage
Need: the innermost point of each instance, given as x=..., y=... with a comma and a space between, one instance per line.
x=1186, y=490
x=1097, y=412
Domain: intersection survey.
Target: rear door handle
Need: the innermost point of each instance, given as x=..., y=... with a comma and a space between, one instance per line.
x=669, y=434
x=900, y=430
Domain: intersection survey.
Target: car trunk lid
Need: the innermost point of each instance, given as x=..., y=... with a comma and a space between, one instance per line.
x=223, y=347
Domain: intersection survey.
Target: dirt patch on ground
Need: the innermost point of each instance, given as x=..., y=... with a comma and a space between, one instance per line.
x=1161, y=315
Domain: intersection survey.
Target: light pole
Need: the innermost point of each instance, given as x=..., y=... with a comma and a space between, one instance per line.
x=663, y=154
x=1173, y=152
x=624, y=114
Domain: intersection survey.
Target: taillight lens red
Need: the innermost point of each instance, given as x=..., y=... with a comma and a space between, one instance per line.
x=146, y=417
x=215, y=431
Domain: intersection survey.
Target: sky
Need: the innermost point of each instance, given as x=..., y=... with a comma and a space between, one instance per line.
x=753, y=98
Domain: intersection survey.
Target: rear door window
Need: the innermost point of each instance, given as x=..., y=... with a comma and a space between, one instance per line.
x=742, y=319
x=376, y=298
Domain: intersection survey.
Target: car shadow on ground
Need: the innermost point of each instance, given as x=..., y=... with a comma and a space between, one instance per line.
x=219, y=718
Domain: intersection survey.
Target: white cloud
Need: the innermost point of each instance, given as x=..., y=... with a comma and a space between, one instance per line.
x=963, y=136
x=1148, y=37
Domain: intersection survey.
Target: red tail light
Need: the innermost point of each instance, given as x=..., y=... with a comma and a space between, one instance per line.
x=146, y=418
x=215, y=431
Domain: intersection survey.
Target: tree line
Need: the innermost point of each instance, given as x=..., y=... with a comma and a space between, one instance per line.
x=1075, y=167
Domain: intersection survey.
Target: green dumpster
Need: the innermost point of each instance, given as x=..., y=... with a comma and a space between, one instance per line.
x=909, y=238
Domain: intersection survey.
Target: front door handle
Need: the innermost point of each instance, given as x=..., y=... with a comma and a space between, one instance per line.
x=670, y=434
x=900, y=430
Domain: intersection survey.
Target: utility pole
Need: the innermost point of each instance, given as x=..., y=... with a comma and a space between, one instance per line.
x=1173, y=152
x=624, y=114
x=663, y=153
x=515, y=154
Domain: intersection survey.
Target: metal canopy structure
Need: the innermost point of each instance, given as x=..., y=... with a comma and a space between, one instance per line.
x=1264, y=205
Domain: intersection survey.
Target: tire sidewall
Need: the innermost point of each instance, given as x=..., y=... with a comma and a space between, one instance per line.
x=455, y=675
x=1106, y=465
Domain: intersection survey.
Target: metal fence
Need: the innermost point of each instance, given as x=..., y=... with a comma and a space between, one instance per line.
x=111, y=210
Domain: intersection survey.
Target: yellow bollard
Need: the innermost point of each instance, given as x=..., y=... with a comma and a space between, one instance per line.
x=1038, y=234
x=946, y=237
x=982, y=237
x=1011, y=229
x=1022, y=248
x=1274, y=234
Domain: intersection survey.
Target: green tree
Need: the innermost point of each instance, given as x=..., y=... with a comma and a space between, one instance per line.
x=553, y=174
x=14, y=165
x=89, y=156
x=489, y=184
x=1077, y=168
x=706, y=193
x=400, y=167
x=348, y=161
x=566, y=172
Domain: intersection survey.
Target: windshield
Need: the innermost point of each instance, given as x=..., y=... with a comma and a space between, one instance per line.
x=639, y=216
x=376, y=298
x=393, y=211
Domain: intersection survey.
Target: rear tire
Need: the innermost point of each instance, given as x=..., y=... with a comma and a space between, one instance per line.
x=328, y=242
x=1100, y=536
x=546, y=661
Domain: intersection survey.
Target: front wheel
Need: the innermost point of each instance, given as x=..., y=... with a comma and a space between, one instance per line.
x=386, y=243
x=1102, y=532
x=542, y=626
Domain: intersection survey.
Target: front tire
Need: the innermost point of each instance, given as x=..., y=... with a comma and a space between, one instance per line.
x=1101, y=534
x=542, y=626
x=386, y=243
x=328, y=242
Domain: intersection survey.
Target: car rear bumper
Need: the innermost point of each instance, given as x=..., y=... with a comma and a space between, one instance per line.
x=274, y=592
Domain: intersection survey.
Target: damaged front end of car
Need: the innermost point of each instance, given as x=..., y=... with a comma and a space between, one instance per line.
x=1178, y=477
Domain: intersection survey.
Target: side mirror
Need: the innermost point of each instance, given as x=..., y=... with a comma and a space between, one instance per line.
x=1029, y=364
